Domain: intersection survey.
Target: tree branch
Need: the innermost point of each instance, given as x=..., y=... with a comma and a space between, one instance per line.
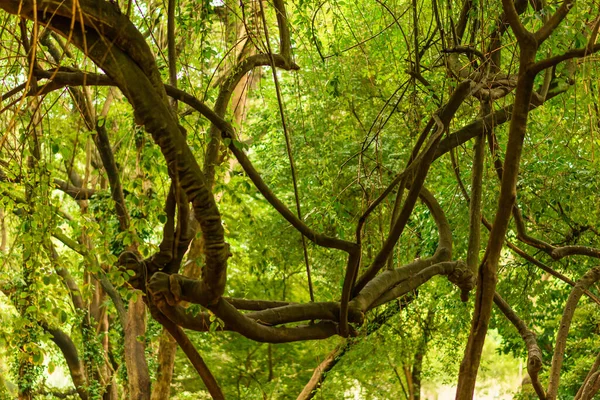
x=534, y=354
x=69, y=351
x=591, y=277
x=546, y=30
x=569, y=54
x=190, y=351
x=445, y=116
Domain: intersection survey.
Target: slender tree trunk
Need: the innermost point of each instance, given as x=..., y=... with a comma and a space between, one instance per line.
x=135, y=358
x=166, y=360
x=420, y=354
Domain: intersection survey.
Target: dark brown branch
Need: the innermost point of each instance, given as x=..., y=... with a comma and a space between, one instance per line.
x=318, y=239
x=292, y=313
x=383, y=282
x=311, y=388
x=534, y=354
x=77, y=193
x=132, y=67
x=555, y=252
x=285, y=45
x=172, y=288
x=546, y=30
x=512, y=16
x=228, y=131
x=476, y=128
x=190, y=351
x=260, y=333
x=516, y=249
x=487, y=278
x=69, y=351
x=559, y=252
x=569, y=54
x=72, y=78
x=13, y=91
x=591, y=277
x=110, y=166
x=255, y=305
x=456, y=271
x=549, y=270
x=445, y=116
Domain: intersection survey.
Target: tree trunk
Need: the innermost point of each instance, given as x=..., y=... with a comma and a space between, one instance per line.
x=135, y=358
x=166, y=360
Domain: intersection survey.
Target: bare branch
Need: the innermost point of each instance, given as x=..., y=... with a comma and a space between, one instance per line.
x=534, y=354
x=513, y=19
x=591, y=277
x=546, y=30
x=77, y=193
x=445, y=116
x=285, y=45
x=69, y=351
x=190, y=351
x=569, y=54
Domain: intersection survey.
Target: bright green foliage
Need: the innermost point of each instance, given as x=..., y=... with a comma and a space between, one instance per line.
x=354, y=111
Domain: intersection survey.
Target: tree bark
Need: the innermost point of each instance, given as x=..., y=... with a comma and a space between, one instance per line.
x=135, y=358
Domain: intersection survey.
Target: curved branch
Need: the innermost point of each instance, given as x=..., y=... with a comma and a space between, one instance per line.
x=591, y=277
x=591, y=386
x=569, y=54
x=517, y=250
x=285, y=44
x=592, y=374
x=77, y=193
x=190, y=351
x=546, y=30
x=255, y=305
x=457, y=273
x=445, y=116
x=106, y=284
x=69, y=351
x=549, y=270
x=260, y=333
x=478, y=127
x=172, y=288
x=512, y=16
x=318, y=239
x=534, y=354
x=559, y=252
x=228, y=131
x=319, y=374
x=328, y=311
x=383, y=282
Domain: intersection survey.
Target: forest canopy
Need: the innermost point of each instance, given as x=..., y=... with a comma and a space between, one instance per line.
x=302, y=199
